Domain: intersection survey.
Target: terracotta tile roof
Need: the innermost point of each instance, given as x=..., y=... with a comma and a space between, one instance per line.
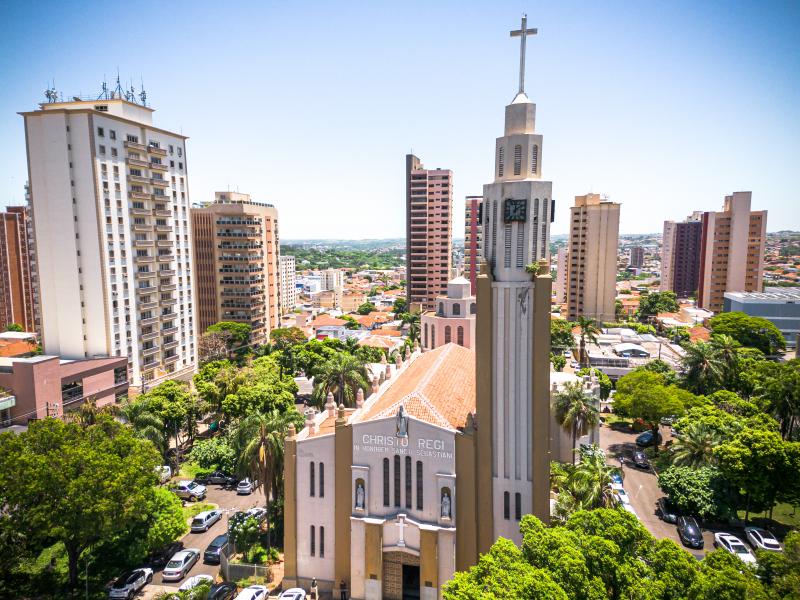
x=380, y=341
x=386, y=332
x=438, y=387
x=326, y=320
x=328, y=426
x=699, y=333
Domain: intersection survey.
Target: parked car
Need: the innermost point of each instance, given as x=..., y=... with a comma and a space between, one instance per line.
x=190, y=490
x=640, y=460
x=573, y=364
x=253, y=592
x=217, y=478
x=244, y=487
x=567, y=354
x=668, y=420
x=129, y=583
x=214, y=549
x=204, y=520
x=616, y=478
x=164, y=473
x=622, y=496
x=180, y=564
x=194, y=581
x=667, y=510
x=222, y=591
x=259, y=512
x=689, y=532
x=645, y=439
x=293, y=594
x=761, y=539
x=160, y=558
x=735, y=546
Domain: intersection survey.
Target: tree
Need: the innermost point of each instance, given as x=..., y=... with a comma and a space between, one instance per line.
x=238, y=334
x=777, y=386
x=558, y=361
x=342, y=375
x=657, y=302
x=561, y=337
x=753, y=332
x=695, y=445
x=366, y=308
x=243, y=531
x=661, y=367
x=60, y=482
x=589, y=331
x=781, y=570
x=165, y=521
x=287, y=337
x=576, y=410
x=642, y=395
x=213, y=346
x=412, y=320
x=15, y=327
x=146, y=423
x=214, y=453
x=703, y=371
x=350, y=322
x=400, y=306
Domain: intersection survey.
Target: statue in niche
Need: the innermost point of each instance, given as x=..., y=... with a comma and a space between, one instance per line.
x=360, y=496
x=445, y=505
x=401, y=420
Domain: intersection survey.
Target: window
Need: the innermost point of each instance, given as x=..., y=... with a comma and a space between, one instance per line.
x=456, y=310
x=180, y=151
x=311, y=478
x=113, y=152
x=517, y=159
x=408, y=481
x=425, y=338
x=500, y=156
x=313, y=539
x=441, y=309
x=473, y=308
x=447, y=335
x=506, y=506
x=535, y=159
x=460, y=336
x=321, y=485
x=419, y=485
x=397, y=480
x=321, y=542
x=132, y=138
x=518, y=506
x=100, y=132
x=433, y=337
x=101, y=149
x=386, y=482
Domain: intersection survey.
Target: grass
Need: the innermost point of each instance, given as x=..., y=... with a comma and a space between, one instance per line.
x=188, y=470
x=190, y=511
x=784, y=517
x=612, y=419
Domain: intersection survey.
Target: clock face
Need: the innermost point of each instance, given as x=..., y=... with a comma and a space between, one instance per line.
x=515, y=210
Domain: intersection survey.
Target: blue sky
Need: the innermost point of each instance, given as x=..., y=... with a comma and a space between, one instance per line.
x=664, y=106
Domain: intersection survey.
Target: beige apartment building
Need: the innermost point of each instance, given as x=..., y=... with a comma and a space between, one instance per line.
x=732, y=251
x=592, y=258
x=429, y=223
x=17, y=262
x=473, y=239
x=236, y=250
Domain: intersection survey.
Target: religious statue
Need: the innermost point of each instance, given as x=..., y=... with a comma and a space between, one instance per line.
x=360, y=496
x=445, y=505
x=401, y=420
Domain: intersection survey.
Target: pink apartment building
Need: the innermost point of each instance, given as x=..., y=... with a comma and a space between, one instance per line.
x=473, y=239
x=454, y=317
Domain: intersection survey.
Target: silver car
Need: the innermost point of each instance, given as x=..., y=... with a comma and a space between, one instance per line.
x=761, y=539
x=180, y=564
x=129, y=583
x=204, y=520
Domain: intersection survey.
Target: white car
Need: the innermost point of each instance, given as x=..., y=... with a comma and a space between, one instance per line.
x=189, y=490
x=204, y=520
x=735, y=546
x=194, y=581
x=244, y=487
x=253, y=592
x=258, y=512
x=129, y=583
x=573, y=364
x=180, y=564
x=567, y=354
x=164, y=473
x=293, y=594
x=761, y=539
x=622, y=496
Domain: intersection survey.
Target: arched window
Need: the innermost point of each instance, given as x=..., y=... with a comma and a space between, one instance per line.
x=500, y=157
x=518, y=506
x=425, y=341
x=473, y=308
x=419, y=485
x=312, y=487
x=386, y=482
x=460, y=336
x=321, y=541
x=456, y=309
x=535, y=159
x=447, y=334
x=517, y=159
x=441, y=309
x=397, y=480
x=313, y=540
x=408, y=481
x=321, y=480
x=433, y=337
x=506, y=505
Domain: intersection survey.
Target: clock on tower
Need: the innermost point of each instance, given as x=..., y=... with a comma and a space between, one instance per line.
x=515, y=210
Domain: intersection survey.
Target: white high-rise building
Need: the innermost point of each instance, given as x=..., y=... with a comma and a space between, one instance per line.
x=110, y=198
x=288, y=289
x=332, y=279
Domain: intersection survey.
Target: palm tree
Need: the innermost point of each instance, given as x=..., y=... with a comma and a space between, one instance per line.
x=589, y=331
x=576, y=410
x=412, y=320
x=702, y=368
x=727, y=350
x=342, y=375
x=146, y=423
x=591, y=480
x=258, y=440
x=695, y=445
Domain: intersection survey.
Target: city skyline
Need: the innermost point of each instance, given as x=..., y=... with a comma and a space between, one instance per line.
x=672, y=106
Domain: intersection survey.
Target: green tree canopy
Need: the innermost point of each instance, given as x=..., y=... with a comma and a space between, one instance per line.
x=286, y=337
x=701, y=491
x=561, y=334
x=642, y=395
x=753, y=332
x=400, y=306
x=657, y=302
x=15, y=327
x=238, y=333
x=366, y=308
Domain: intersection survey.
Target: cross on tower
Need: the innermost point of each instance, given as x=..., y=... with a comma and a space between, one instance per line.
x=523, y=33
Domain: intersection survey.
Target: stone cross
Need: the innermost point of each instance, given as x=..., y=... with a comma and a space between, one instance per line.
x=401, y=525
x=523, y=33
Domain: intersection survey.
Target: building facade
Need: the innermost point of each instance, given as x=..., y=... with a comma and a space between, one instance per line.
x=592, y=274
x=454, y=317
x=288, y=285
x=429, y=229
x=473, y=239
x=637, y=257
x=779, y=305
x=236, y=249
x=560, y=284
x=680, y=256
x=110, y=201
x=17, y=261
x=331, y=279
x=732, y=251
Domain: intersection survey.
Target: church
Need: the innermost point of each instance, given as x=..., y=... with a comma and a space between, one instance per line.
x=452, y=446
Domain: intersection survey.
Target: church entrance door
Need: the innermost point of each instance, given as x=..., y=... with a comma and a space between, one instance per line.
x=410, y=582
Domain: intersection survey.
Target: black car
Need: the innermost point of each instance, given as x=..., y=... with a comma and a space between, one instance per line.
x=211, y=555
x=646, y=439
x=160, y=558
x=640, y=460
x=217, y=478
x=222, y=591
x=667, y=510
x=689, y=532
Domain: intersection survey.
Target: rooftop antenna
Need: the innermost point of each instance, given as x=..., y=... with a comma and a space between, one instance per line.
x=104, y=93
x=142, y=94
x=50, y=93
x=118, y=92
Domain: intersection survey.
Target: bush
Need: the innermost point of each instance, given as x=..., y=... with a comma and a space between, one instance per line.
x=214, y=453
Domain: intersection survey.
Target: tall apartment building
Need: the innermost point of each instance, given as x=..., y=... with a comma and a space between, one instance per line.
x=562, y=266
x=592, y=274
x=17, y=290
x=110, y=201
x=680, y=256
x=331, y=279
x=732, y=251
x=473, y=239
x=288, y=285
x=236, y=251
x=637, y=257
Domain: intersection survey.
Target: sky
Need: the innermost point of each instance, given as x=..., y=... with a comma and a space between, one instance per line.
x=665, y=107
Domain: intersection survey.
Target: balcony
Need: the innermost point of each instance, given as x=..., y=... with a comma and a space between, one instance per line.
x=158, y=167
x=168, y=345
x=163, y=228
x=142, y=227
x=138, y=178
x=145, y=212
x=168, y=330
x=164, y=243
x=142, y=243
x=150, y=351
x=145, y=274
x=134, y=145
x=148, y=305
x=162, y=212
x=148, y=321
x=166, y=257
x=149, y=336
x=137, y=162
x=166, y=272
x=169, y=286
x=159, y=182
x=143, y=259
x=156, y=151
x=171, y=359
x=139, y=195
